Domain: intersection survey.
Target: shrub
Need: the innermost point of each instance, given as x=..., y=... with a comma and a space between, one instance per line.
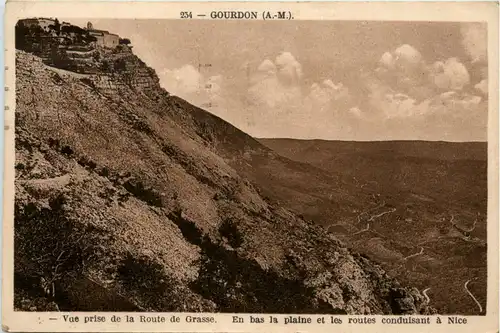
x=88, y=82
x=148, y=281
x=188, y=228
x=229, y=230
x=124, y=41
x=48, y=245
x=66, y=150
x=54, y=143
x=104, y=172
x=141, y=192
x=238, y=284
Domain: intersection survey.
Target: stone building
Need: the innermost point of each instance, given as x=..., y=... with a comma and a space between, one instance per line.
x=42, y=22
x=104, y=38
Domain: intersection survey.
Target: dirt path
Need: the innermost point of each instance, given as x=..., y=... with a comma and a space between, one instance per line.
x=427, y=299
x=472, y=296
x=392, y=210
x=415, y=254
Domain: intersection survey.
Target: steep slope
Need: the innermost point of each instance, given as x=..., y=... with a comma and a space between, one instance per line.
x=418, y=208
x=125, y=202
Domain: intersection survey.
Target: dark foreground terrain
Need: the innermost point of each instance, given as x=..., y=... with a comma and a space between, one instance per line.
x=127, y=199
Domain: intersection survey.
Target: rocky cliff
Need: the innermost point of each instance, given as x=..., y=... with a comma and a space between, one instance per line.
x=124, y=202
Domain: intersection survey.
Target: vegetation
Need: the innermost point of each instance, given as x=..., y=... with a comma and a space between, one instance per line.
x=149, y=283
x=49, y=247
x=124, y=41
x=237, y=284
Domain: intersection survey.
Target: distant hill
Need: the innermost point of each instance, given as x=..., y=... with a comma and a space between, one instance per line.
x=413, y=194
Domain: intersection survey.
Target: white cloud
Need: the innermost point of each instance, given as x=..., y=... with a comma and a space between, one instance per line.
x=326, y=92
x=289, y=69
x=404, y=69
x=182, y=81
x=267, y=67
x=482, y=86
x=356, y=111
x=271, y=93
x=387, y=60
x=280, y=105
x=451, y=74
x=453, y=100
x=393, y=104
x=407, y=55
x=275, y=85
x=398, y=105
x=188, y=83
x=213, y=85
x=474, y=40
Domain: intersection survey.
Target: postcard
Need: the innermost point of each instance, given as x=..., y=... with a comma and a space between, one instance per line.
x=251, y=167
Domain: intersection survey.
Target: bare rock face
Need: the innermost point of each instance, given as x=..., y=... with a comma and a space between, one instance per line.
x=121, y=68
x=134, y=209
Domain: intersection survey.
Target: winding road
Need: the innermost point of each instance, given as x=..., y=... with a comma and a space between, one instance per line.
x=415, y=254
x=392, y=210
x=427, y=299
x=370, y=210
x=472, y=296
x=462, y=229
x=363, y=230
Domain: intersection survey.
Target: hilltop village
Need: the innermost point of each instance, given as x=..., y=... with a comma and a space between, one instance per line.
x=99, y=58
x=67, y=46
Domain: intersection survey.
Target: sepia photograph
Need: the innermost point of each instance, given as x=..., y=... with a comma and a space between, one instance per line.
x=239, y=165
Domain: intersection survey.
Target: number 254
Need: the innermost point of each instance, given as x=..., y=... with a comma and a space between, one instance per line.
x=185, y=15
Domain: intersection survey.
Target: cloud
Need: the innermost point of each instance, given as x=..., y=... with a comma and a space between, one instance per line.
x=453, y=100
x=277, y=85
x=289, y=69
x=182, y=81
x=407, y=55
x=431, y=101
x=404, y=69
x=188, y=83
x=482, y=86
x=356, y=111
x=392, y=103
x=451, y=74
x=474, y=40
x=269, y=91
x=404, y=58
x=327, y=92
x=387, y=60
x=446, y=116
x=267, y=67
x=213, y=85
x=280, y=104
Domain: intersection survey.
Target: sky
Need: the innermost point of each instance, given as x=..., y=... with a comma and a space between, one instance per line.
x=332, y=80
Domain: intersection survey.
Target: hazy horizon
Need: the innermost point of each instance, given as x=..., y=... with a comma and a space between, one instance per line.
x=328, y=80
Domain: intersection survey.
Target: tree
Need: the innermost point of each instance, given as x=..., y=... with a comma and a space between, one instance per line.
x=21, y=32
x=57, y=26
x=124, y=41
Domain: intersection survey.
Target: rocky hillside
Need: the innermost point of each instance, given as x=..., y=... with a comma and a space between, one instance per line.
x=124, y=202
